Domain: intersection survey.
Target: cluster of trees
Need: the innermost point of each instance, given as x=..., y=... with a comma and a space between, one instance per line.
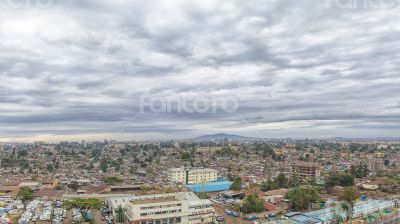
x=105, y=162
x=253, y=204
x=53, y=166
x=236, y=182
x=226, y=151
x=301, y=198
x=280, y=182
x=84, y=205
x=359, y=147
x=339, y=179
x=112, y=180
x=360, y=170
x=263, y=149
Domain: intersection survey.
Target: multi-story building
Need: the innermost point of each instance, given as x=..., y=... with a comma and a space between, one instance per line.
x=181, y=207
x=306, y=170
x=191, y=175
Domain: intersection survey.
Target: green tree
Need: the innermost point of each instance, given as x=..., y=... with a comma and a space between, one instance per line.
x=50, y=167
x=104, y=165
x=84, y=205
x=359, y=170
x=338, y=179
x=59, y=187
x=301, y=198
x=26, y=194
x=268, y=185
x=281, y=180
x=350, y=195
x=113, y=180
x=386, y=162
x=253, y=204
x=236, y=183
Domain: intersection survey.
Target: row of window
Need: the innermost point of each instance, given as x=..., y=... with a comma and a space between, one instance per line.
x=161, y=206
x=163, y=221
x=159, y=212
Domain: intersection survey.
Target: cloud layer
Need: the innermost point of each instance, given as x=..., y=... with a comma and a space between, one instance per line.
x=296, y=68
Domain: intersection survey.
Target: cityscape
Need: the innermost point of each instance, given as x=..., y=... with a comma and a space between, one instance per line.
x=199, y=112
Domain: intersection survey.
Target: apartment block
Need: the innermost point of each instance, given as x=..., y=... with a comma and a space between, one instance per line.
x=181, y=207
x=187, y=175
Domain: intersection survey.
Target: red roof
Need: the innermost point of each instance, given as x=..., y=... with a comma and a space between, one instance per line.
x=261, y=194
x=51, y=193
x=270, y=207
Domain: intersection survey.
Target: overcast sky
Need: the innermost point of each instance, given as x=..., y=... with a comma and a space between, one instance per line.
x=101, y=69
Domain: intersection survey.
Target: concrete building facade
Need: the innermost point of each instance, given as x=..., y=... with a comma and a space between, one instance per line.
x=182, y=207
x=191, y=175
x=307, y=170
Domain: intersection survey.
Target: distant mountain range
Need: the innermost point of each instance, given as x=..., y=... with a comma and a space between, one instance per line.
x=222, y=136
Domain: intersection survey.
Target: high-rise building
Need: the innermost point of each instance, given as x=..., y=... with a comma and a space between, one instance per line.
x=306, y=170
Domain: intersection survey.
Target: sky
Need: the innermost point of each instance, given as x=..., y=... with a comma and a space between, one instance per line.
x=135, y=70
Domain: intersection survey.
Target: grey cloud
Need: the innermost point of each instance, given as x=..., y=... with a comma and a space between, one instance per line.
x=295, y=67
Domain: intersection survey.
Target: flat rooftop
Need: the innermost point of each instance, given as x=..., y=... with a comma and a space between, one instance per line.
x=153, y=200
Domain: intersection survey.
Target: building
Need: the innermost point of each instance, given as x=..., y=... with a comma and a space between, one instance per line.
x=181, y=207
x=188, y=175
x=330, y=215
x=210, y=186
x=306, y=170
x=31, y=185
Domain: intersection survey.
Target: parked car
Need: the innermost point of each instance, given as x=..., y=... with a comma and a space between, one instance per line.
x=235, y=214
x=250, y=218
x=228, y=212
x=220, y=219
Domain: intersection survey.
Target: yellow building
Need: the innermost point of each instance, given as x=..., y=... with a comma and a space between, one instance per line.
x=191, y=175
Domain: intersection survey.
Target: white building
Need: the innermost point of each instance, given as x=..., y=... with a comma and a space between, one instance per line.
x=182, y=207
x=191, y=175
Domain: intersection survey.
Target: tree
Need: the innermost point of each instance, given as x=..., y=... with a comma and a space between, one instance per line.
x=338, y=179
x=74, y=185
x=26, y=194
x=386, y=162
x=350, y=195
x=359, y=170
x=236, y=183
x=22, y=153
x=281, y=180
x=253, y=204
x=50, y=167
x=301, y=198
x=84, y=205
x=269, y=185
x=59, y=187
x=120, y=215
x=113, y=180
x=104, y=165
